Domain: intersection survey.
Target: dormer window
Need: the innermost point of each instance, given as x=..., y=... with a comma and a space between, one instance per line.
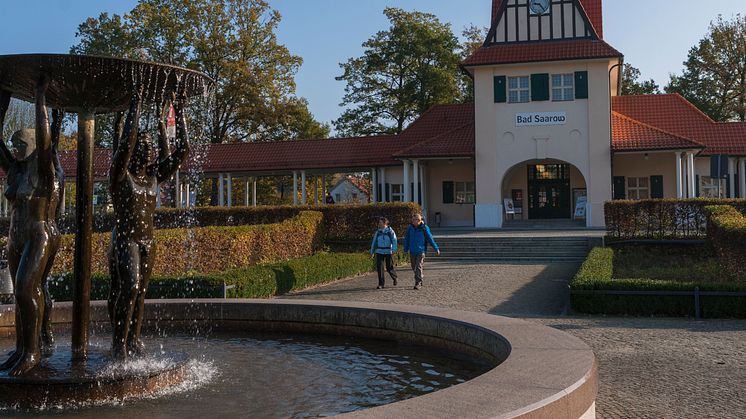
x=518, y=89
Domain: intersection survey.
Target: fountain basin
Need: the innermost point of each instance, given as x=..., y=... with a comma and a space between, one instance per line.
x=538, y=371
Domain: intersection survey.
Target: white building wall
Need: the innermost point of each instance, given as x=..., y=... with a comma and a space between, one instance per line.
x=584, y=141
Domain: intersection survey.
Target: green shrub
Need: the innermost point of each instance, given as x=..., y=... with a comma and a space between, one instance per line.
x=207, y=250
x=598, y=267
x=260, y=281
x=341, y=222
x=661, y=218
x=726, y=234
x=596, y=274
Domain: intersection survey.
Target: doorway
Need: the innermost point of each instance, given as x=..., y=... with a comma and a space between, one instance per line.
x=549, y=191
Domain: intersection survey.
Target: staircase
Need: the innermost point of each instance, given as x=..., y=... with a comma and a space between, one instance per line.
x=511, y=249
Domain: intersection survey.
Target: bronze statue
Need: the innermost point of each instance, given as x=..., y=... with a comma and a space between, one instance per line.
x=34, y=193
x=134, y=182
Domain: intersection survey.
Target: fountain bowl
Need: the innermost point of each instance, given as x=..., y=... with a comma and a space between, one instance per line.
x=536, y=371
x=87, y=83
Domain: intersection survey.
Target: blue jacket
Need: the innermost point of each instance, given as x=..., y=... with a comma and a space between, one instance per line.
x=384, y=242
x=417, y=239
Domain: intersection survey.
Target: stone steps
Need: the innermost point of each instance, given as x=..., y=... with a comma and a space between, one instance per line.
x=511, y=249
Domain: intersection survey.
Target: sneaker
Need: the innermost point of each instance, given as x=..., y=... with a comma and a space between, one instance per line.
x=394, y=281
x=379, y=287
x=417, y=286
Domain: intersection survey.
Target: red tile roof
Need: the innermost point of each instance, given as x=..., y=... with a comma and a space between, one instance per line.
x=458, y=142
x=674, y=114
x=631, y=135
x=560, y=50
x=594, y=11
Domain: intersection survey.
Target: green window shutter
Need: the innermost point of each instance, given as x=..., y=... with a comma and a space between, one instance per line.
x=620, y=187
x=448, y=195
x=501, y=89
x=540, y=87
x=696, y=186
x=656, y=187
x=581, y=85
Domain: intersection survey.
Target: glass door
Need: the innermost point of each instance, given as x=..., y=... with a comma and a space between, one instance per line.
x=549, y=191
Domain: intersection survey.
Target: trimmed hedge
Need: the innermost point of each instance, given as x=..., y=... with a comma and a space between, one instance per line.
x=260, y=281
x=596, y=275
x=207, y=250
x=660, y=219
x=341, y=222
x=726, y=234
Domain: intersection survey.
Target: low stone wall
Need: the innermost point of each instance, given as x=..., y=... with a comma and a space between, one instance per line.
x=539, y=372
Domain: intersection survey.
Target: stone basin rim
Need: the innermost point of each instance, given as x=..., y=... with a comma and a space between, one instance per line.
x=543, y=373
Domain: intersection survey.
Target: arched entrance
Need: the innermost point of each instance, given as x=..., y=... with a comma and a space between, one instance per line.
x=545, y=190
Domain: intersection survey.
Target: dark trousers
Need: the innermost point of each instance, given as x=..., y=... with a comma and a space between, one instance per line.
x=389, y=260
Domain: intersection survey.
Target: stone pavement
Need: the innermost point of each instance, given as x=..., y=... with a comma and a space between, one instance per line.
x=657, y=368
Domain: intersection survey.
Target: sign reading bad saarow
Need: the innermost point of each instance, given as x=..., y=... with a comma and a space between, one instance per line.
x=529, y=119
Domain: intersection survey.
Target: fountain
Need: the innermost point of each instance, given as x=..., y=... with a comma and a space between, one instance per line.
x=380, y=361
x=88, y=86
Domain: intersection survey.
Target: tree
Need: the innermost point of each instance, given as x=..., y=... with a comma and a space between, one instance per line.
x=632, y=85
x=232, y=41
x=714, y=77
x=473, y=38
x=403, y=71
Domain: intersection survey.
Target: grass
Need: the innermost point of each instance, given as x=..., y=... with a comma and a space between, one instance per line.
x=259, y=281
x=667, y=263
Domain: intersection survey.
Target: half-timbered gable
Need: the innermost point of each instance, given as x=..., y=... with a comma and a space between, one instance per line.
x=544, y=20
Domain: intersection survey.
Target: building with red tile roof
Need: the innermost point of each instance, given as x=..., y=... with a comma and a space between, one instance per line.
x=547, y=130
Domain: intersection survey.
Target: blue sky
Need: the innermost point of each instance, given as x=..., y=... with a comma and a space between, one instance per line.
x=655, y=36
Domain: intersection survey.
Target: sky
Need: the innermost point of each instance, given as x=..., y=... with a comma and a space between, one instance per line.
x=654, y=36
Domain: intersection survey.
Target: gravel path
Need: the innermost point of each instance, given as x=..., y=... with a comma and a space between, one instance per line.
x=657, y=368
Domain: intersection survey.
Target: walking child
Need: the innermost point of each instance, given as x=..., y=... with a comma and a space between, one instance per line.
x=415, y=243
x=383, y=248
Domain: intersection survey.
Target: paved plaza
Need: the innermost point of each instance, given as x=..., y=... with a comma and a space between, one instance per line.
x=672, y=368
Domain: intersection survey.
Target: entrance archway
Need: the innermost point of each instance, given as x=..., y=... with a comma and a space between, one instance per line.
x=545, y=190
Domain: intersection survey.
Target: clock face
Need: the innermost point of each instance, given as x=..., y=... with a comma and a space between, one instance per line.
x=538, y=7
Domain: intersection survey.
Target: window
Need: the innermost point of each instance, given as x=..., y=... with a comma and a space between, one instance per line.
x=638, y=188
x=563, y=87
x=518, y=89
x=709, y=187
x=337, y=198
x=465, y=193
x=549, y=172
x=397, y=193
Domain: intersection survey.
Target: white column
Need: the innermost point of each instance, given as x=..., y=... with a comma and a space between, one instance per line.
x=691, y=175
x=295, y=188
x=416, y=181
x=679, y=183
x=742, y=177
x=177, y=193
x=221, y=190
x=188, y=193
x=373, y=186
x=247, y=191
x=383, y=185
x=732, y=176
x=253, y=193
x=304, y=192
x=157, y=195
x=407, y=196
x=230, y=190
x=323, y=189
x=423, y=196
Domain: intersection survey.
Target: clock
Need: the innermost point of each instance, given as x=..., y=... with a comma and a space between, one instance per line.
x=538, y=7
